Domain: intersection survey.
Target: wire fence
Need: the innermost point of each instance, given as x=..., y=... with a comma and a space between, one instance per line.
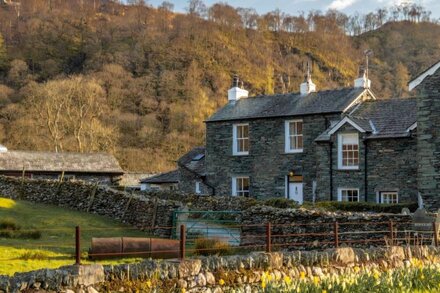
x=95, y=244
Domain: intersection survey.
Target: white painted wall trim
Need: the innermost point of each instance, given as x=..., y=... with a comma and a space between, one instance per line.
x=340, y=189
x=287, y=148
x=359, y=99
x=419, y=79
x=340, y=166
x=412, y=127
x=234, y=140
x=342, y=122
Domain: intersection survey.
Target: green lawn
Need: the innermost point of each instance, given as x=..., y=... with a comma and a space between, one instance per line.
x=57, y=243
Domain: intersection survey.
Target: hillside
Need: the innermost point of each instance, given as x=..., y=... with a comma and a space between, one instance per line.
x=401, y=50
x=139, y=82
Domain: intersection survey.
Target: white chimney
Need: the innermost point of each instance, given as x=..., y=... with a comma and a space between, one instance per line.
x=307, y=87
x=235, y=93
x=362, y=82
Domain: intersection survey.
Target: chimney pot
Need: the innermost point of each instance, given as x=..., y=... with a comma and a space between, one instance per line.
x=235, y=93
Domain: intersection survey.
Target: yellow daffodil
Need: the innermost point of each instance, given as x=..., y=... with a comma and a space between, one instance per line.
x=324, y=291
x=148, y=284
x=356, y=269
x=316, y=280
x=263, y=284
x=287, y=280
x=302, y=275
x=221, y=282
x=183, y=290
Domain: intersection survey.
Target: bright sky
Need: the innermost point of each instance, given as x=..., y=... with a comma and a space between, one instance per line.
x=295, y=6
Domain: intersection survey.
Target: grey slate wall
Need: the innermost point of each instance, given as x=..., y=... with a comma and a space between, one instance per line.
x=428, y=140
x=391, y=166
x=348, y=178
x=267, y=165
x=187, y=183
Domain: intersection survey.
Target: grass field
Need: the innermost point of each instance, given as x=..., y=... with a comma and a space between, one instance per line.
x=57, y=243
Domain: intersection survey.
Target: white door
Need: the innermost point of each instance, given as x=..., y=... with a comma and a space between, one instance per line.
x=296, y=192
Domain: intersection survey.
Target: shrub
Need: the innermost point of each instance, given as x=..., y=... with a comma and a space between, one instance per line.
x=8, y=224
x=281, y=203
x=366, y=207
x=210, y=246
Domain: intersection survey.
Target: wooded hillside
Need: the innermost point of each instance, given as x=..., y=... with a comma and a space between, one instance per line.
x=90, y=75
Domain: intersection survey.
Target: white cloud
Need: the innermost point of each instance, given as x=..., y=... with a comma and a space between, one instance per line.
x=341, y=4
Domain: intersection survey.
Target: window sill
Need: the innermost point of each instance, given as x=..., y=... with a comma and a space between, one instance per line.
x=348, y=168
x=240, y=154
x=298, y=151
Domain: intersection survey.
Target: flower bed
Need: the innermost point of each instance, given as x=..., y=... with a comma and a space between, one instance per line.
x=414, y=277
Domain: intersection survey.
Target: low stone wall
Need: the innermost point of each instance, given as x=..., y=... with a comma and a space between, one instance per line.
x=155, y=209
x=142, y=213
x=143, y=210
x=285, y=222
x=199, y=275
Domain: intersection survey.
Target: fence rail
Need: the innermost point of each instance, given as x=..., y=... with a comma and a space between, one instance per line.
x=263, y=237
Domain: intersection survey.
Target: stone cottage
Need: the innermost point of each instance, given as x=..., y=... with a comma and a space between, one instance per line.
x=345, y=144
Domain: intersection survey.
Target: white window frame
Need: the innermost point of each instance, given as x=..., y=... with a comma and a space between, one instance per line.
x=198, y=190
x=235, y=191
x=235, y=139
x=340, y=190
x=288, y=148
x=340, y=163
x=389, y=192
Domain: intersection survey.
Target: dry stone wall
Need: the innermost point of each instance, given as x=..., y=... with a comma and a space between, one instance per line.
x=200, y=274
x=304, y=221
x=155, y=209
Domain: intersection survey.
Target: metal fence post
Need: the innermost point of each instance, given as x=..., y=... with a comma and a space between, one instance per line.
x=336, y=233
x=434, y=229
x=182, y=241
x=78, y=245
x=268, y=238
x=391, y=232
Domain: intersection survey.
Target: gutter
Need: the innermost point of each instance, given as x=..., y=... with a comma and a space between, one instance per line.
x=198, y=175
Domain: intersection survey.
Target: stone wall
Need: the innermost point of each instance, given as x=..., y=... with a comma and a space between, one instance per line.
x=142, y=210
x=428, y=140
x=197, y=275
x=267, y=164
x=304, y=221
x=391, y=166
x=187, y=183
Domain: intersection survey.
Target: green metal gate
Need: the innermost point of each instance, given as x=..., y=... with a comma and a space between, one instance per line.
x=223, y=225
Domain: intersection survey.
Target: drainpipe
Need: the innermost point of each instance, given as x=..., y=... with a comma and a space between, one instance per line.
x=331, y=171
x=366, y=170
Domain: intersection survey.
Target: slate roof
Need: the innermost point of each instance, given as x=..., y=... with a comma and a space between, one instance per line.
x=194, y=160
x=58, y=162
x=168, y=177
x=391, y=118
x=293, y=104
